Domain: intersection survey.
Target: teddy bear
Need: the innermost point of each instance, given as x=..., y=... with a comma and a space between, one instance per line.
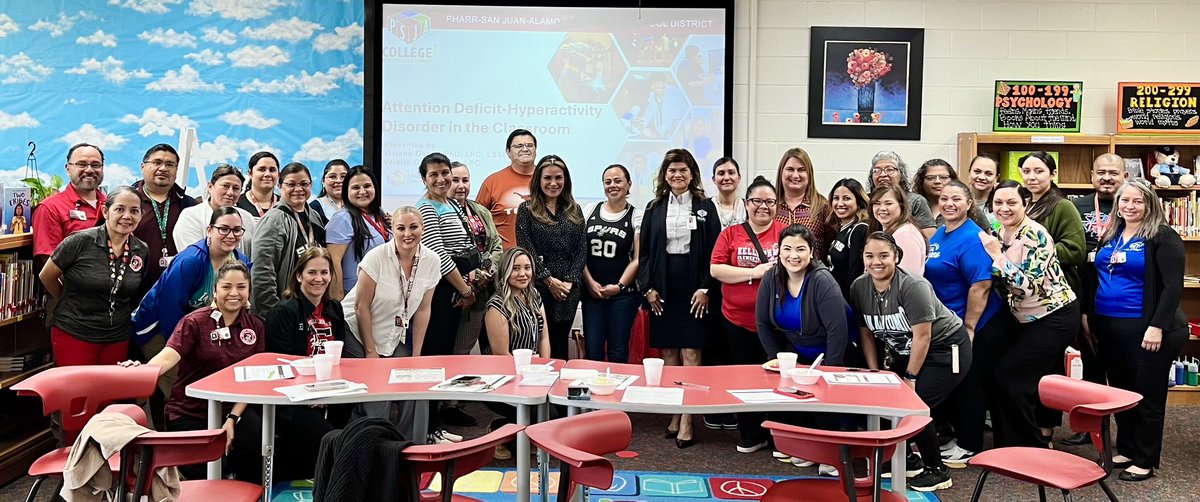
x=1167, y=170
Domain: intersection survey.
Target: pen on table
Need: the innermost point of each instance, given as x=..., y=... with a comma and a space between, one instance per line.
x=692, y=385
x=863, y=370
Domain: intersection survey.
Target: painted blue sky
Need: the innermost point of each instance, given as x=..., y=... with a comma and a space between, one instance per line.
x=280, y=75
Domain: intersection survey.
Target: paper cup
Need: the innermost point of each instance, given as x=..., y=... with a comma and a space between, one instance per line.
x=334, y=348
x=653, y=367
x=787, y=361
x=522, y=357
x=324, y=365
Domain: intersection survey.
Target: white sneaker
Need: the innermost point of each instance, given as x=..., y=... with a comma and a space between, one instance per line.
x=799, y=462
x=953, y=443
x=957, y=457
x=827, y=470
x=781, y=456
x=442, y=436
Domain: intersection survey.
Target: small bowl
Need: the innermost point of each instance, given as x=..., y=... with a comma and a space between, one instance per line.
x=804, y=376
x=305, y=367
x=533, y=370
x=601, y=386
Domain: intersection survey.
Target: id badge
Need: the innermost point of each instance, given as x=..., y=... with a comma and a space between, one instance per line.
x=691, y=222
x=1092, y=257
x=402, y=322
x=220, y=334
x=76, y=214
x=300, y=250
x=1118, y=257
x=165, y=260
x=839, y=246
x=954, y=358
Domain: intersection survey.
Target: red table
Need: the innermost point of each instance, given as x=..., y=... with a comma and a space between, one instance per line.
x=222, y=387
x=874, y=401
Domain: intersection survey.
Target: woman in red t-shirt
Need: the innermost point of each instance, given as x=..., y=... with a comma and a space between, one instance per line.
x=743, y=253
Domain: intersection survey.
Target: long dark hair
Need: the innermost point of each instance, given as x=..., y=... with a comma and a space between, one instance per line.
x=254, y=161
x=919, y=178
x=334, y=162
x=662, y=188
x=537, y=198
x=1042, y=207
x=374, y=209
x=793, y=230
x=860, y=199
x=1022, y=192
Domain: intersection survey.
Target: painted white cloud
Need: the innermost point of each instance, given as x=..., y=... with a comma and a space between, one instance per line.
x=240, y=10
x=207, y=57
x=339, y=148
x=316, y=84
x=7, y=25
x=116, y=175
x=252, y=56
x=113, y=70
x=155, y=121
x=55, y=28
x=289, y=30
x=12, y=177
x=169, y=38
x=249, y=118
x=340, y=40
x=223, y=37
x=88, y=133
x=22, y=120
x=187, y=79
x=147, y=6
x=21, y=69
x=226, y=149
x=98, y=38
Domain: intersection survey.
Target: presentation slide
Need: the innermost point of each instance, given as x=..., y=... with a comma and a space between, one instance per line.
x=597, y=86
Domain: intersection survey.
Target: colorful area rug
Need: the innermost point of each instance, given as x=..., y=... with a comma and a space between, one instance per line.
x=496, y=485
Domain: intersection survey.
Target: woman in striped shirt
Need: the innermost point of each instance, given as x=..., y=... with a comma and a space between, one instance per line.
x=446, y=234
x=799, y=201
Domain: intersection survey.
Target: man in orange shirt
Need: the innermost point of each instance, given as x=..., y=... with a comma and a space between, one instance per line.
x=506, y=189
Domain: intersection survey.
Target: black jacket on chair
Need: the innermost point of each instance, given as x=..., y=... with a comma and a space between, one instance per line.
x=362, y=463
x=652, y=251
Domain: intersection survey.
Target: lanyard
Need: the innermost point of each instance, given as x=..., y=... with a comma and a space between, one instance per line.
x=117, y=274
x=407, y=287
x=305, y=230
x=161, y=216
x=1101, y=225
x=379, y=227
x=254, y=202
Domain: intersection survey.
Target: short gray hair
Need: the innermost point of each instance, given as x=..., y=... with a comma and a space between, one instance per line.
x=894, y=157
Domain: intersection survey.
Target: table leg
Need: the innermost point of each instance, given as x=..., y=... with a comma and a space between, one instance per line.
x=899, y=465
x=543, y=457
x=873, y=422
x=421, y=423
x=268, y=449
x=214, y=422
x=522, y=454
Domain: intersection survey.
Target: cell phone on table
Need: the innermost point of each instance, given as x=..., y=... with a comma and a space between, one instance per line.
x=325, y=386
x=465, y=380
x=794, y=392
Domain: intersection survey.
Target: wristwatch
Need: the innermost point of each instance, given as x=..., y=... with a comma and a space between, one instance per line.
x=235, y=418
x=907, y=375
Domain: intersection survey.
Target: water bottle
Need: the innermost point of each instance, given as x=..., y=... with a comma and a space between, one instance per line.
x=1192, y=368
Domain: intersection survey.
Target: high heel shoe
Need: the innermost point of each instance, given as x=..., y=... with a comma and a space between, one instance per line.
x=671, y=434
x=684, y=443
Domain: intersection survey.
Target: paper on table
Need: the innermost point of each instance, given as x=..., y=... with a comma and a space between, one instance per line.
x=262, y=373
x=761, y=396
x=540, y=380
x=861, y=378
x=417, y=375
x=671, y=396
x=578, y=374
x=486, y=383
x=296, y=393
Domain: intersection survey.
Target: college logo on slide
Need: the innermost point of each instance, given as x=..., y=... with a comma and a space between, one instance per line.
x=408, y=26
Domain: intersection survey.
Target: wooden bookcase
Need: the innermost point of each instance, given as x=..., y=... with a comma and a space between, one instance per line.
x=24, y=432
x=1076, y=153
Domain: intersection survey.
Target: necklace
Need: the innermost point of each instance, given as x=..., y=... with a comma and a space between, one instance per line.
x=116, y=267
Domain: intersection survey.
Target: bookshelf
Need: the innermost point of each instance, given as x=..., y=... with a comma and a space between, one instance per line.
x=1076, y=154
x=24, y=433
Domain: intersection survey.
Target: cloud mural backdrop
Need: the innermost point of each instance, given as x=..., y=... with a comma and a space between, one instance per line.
x=126, y=74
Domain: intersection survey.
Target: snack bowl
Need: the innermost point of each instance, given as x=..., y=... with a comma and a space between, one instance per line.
x=804, y=376
x=533, y=370
x=601, y=385
x=305, y=367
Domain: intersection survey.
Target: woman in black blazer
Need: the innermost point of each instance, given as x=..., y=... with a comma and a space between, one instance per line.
x=679, y=229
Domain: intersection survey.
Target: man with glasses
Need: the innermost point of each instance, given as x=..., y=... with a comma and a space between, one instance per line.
x=162, y=201
x=504, y=190
x=1108, y=173
x=75, y=208
x=887, y=168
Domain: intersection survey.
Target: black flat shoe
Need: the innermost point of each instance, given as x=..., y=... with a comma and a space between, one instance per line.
x=1077, y=439
x=671, y=434
x=1122, y=465
x=688, y=443
x=1129, y=476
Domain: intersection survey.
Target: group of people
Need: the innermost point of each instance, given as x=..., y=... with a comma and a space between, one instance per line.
x=970, y=290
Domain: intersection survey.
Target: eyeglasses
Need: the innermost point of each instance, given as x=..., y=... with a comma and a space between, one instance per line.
x=291, y=185
x=761, y=202
x=937, y=177
x=884, y=170
x=224, y=230
x=522, y=146
x=159, y=163
x=84, y=165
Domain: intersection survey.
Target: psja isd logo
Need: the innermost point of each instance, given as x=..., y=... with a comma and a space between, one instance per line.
x=408, y=26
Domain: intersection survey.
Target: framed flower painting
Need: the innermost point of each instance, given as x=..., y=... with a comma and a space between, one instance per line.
x=865, y=83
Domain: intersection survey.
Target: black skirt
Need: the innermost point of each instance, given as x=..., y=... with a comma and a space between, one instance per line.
x=676, y=328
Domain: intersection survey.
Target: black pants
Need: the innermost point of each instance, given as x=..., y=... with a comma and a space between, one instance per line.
x=967, y=409
x=245, y=456
x=1093, y=363
x=443, y=321
x=1035, y=351
x=743, y=347
x=1130, y=367
x=560, y=338
x=935, y=383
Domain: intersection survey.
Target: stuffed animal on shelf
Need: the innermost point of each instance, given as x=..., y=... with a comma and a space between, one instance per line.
x=1167, y=170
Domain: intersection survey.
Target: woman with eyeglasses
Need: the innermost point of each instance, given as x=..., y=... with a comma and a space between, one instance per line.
x=612, y=302
x=260, y=196
x=1024, y=260
x=550, y=226
x=94, y=274
x=1137, y=320
x=356, y=229
x=799, y=201
x=330, y=200
x=283, y=235
x=928, y=183
x=889, y=214
x=224, y=188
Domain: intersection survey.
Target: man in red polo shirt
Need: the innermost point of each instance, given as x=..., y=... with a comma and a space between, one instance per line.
x=75, y=208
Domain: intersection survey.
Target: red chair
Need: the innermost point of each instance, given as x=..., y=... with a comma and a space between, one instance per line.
x=840, y=448
x=578, y=443
x=455, y=460
x=78, y=393
x=153, y=451
x=1088, y=407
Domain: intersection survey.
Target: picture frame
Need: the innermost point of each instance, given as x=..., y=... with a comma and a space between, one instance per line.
x=865, y=83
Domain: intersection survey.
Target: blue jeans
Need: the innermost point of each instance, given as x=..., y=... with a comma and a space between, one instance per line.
x=607, y=324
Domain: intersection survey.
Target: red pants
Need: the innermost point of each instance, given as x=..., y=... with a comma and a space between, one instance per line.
x=71, y=351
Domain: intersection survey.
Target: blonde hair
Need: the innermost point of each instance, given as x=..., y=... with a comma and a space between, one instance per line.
x=504, y=291
x=816, y=201
x=1151, y=222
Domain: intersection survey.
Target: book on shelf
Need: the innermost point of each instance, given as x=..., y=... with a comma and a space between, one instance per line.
x=17, y=291
x=16, y=210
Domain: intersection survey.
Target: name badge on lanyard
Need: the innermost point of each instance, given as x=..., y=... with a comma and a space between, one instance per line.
x=1118, y=257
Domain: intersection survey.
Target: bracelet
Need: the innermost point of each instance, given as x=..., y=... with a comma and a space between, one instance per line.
x=233, y=417
x=907, y=375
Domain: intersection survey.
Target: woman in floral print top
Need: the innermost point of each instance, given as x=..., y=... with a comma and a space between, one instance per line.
x=1045, y=307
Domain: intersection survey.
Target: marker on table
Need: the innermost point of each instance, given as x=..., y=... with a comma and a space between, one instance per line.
x=692, y=385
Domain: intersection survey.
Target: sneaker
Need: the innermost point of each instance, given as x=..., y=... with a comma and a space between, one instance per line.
x=957, y=457
x=456, y=416
x=714, y=422
x=913, y=466
x=744, y=447
x=781, y=456
x=443, y=434
x=502, y=453
x=435, y=438
x=827, y=471
x=948, y=445
x=730, y=423
x=932, y=478
x=799, y=462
